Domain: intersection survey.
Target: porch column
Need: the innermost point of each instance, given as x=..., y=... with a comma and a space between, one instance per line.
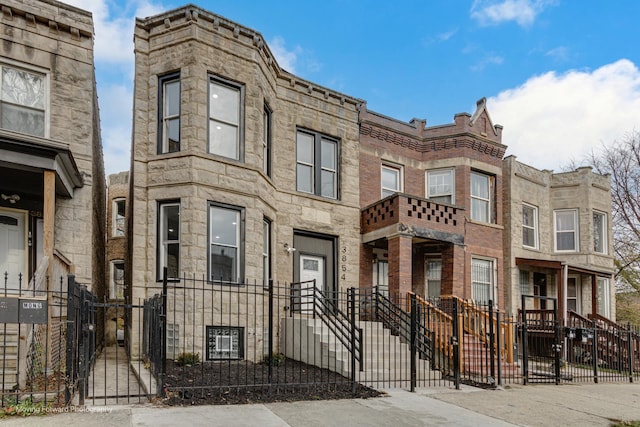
x=48, y=214
x=453, y=272
x=400, y=265
x=594, y=294
x=562, y=286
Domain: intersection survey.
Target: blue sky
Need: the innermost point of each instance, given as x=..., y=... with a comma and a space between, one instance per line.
x=561, y=76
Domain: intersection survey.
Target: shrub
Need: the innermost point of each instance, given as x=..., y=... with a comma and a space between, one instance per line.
x=188, y=359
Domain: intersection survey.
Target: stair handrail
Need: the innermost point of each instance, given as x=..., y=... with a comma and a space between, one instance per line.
x=441, y=326
x=474, y=320
x=39, y=278
x=394, y=318
x=578, y=320
x=330, y=314
x=618, y=330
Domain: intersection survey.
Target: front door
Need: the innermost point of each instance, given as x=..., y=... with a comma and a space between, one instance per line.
x=311, y=268
x=12, y=251
x=540, y=290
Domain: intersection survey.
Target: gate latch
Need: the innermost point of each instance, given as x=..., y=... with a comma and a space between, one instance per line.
x=557, y=348
x=89, y=327
x=454, y=340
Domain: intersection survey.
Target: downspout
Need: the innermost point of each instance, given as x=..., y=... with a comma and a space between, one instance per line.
x=565, y=274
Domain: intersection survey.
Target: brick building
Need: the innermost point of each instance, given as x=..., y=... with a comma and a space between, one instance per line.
x=116, y=250
x=431, y=202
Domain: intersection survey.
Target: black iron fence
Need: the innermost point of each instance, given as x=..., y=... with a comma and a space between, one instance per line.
x=576, y=349
x=224, y=342
x=34, y=356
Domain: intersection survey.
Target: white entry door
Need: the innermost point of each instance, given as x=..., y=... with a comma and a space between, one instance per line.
x=311, y=267
x=12, y=250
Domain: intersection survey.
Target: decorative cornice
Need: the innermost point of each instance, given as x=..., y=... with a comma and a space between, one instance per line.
x=434, y=145
x=56, y=26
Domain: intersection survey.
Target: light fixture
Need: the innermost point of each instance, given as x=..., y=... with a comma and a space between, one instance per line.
x=12, y=198
x=289, y=249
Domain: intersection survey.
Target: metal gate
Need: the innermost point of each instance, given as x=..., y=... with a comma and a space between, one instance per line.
x=541, y=340
x=102, y=351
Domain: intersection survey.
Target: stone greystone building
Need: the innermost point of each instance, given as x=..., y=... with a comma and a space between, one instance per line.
x=52, y=188
x=558, y=239
x=236, y=162
x=432, y=206
x=50, y=142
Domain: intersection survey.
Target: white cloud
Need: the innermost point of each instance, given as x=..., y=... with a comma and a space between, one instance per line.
x=113, y=51
x=490, y=59
x=560, y=53
x=287, y=59
x=114, y=27
x=553, y=118
x=116, y=116
x=494, y=12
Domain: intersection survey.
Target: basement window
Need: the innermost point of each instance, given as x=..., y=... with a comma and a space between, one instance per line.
x=225, y=342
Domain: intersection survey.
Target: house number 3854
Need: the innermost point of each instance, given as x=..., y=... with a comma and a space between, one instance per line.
x=343, y=258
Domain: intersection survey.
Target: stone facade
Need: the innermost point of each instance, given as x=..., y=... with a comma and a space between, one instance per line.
x=54, y=42
x=203, y=48
x=544, y=192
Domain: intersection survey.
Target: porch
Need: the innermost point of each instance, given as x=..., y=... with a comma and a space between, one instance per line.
x=35, y=173
x=413, y=245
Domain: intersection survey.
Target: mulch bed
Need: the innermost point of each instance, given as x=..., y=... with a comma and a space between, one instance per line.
x=238, y=382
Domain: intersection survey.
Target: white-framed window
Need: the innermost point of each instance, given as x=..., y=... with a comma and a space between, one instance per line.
x=565, y=225
x=116, y=290
x=225, y=342
x=604, y=297
x=441, y=186
x=483, y=280
x=529, y=226
x=23, y=100
x=168, y=239
x=169, y=112
x=173, y=340
x=118, y=220
x=225, y=118
x=600, y=242
x=481, y=197
x=316, y=164
x=266, y=140
x=224, y=243
x=525, y=283
x=391, y=180
x=433, y=268
x=381, y=276
x=573, y=294
x=266, y=251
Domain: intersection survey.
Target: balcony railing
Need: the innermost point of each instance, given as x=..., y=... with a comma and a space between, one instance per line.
x=411, y=211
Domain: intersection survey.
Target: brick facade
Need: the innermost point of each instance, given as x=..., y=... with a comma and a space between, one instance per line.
x=447, y=231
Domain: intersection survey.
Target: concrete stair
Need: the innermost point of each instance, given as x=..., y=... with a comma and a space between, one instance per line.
x=386, y=360
x=9, y=340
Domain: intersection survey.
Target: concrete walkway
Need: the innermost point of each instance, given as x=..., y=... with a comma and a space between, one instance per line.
x=534, y=405
x=112, y=380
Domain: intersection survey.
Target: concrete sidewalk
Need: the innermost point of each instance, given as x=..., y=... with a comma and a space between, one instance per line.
x=539, y=405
